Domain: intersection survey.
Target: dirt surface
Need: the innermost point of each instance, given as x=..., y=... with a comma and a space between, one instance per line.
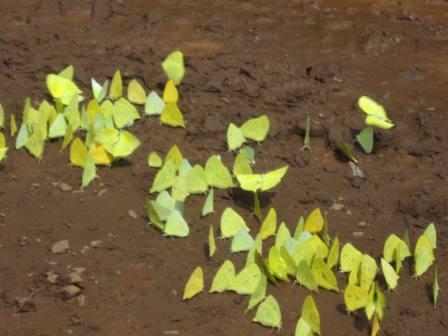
x=287, y=59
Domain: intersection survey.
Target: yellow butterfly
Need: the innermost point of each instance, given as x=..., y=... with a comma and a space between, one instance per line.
x=172, y=115
x=170, y=93
x=116, y=86
x=195, y=284
x=261, y=182
x=62, y=88
x=3, y=148
x=314, y=223
x=136, y=93
x=174, y=67
x=376, y=114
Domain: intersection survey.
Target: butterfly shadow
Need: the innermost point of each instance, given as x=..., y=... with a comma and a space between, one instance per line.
x=360, y=320
x=123, y=163
x=245, y=199
x=429, y=292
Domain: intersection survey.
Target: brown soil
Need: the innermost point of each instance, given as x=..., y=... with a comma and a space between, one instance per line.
x=288, y=59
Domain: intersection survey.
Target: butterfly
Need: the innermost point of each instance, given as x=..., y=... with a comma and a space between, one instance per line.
x=172, y=116
x=208, y=204
x=124, y=113
x=350, y=257
x=154, y=160
x=365, y=139
x=3, y=148
x=235, y=137
x=389, y=274
x=99, y=91
x=355, y=297
x=261, y=182
x=62, y=88
x=269, y=225
x=223, y=278
x=241, y=165
x=323, y=274
x=367, y=271
x=259, y=294
x=174, y=66
x=176, y=225
x=310, y=314
x=217, y=174
x=136, y=93
x=211, y=242
x=67, y=72
x=2, y=116
x=165, y=177
x=256, y=129
x=116, y=86
x=58, y=127
x=314, y=222
x=195, y=284
x=376, y=114
x=276, y=263
x=246, y=281
x=305, y=276
x=268, y=313
x=154, y=105
x=231, y=223
x=241, y=241
x=423, y=255
x=89, y=172
x=78, y=153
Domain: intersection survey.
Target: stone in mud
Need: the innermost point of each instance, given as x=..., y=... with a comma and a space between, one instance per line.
x=52, y=277
x=25, y=305
x=74, y=278
x=70, y=291
x=61, y=246
x=65, y=187
x=132, y=214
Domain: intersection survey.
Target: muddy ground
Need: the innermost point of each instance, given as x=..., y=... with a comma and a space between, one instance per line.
x=287, y=59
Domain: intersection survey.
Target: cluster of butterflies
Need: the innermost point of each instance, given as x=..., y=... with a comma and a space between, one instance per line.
x=309, y=257
x=177, y=178
x=103, y=118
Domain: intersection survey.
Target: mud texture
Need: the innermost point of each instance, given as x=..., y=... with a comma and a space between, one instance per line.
x=287, y=59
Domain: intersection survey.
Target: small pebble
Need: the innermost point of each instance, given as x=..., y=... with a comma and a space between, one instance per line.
x=65, y=187
x=70, y=291
x=337, y=206
x=132, y=214
x=84, y=249
x=96, y=243
x=362, y=224
x=25, y=305
x=61, y=246
x=358, y=234
x=79, y=270
x=356, y=171
x=81, y=300
x=52, y=277
x=101, y=192
x=74, y=278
